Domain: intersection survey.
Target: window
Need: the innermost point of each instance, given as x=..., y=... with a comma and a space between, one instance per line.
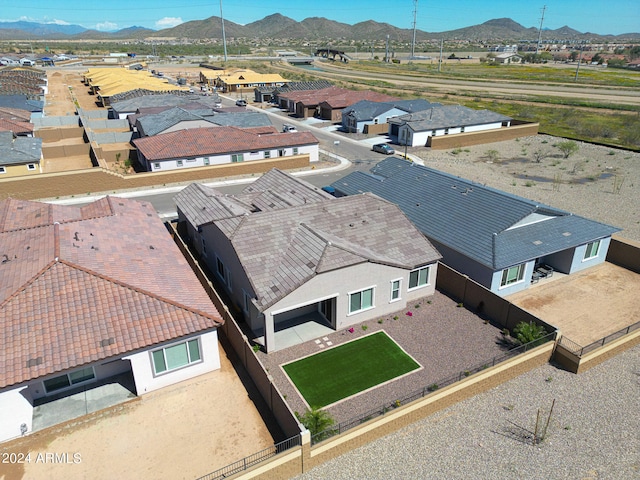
x=156, y=166
x=179, y=163
x=237, y=157
x=220, y=268
x=31, y=166
x=267, y=154
x=362, y=300
x=395, y=290
x=419, y=278
x=69, y=379
x=512, y=275
x=3, y=170
x=592, y=250
x=282, y=152
x=176, y=356
x=295, y=150
x=247, y=301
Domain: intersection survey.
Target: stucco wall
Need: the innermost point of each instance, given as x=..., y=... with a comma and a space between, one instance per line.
x=96, y=180
x=579, y=263
x=142, y=365
x=15, y=410
x=478, y=138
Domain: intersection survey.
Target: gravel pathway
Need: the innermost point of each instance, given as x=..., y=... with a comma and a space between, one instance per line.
x=593, y=432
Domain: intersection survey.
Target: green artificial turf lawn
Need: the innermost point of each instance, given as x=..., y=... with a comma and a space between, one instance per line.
x=340, y=372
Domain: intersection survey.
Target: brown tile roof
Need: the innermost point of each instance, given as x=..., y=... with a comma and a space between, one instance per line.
x=15, y=114
x=15, y=126
x=216, y=140
x=71, y=277
x=351, y=97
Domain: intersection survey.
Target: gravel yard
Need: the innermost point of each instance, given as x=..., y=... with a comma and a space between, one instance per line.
x=593, y=432
x=443, y=338
x=596, y=182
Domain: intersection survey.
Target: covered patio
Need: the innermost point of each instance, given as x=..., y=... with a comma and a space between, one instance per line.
x=83, y=400
x=297, y=330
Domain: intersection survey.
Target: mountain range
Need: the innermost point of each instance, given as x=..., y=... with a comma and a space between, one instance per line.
x=279, y=27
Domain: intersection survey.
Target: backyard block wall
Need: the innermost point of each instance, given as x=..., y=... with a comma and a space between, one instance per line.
x=624, y=253
x=99, y=180
x=460, y=140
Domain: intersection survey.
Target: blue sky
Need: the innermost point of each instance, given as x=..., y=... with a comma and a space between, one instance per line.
x=597, y=16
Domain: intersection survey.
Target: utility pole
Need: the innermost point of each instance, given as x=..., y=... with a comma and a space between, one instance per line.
x=578, y=67
x=540, y=31
x=386, y=52
x=224, y=38
x=440, y=59
x=415, y=15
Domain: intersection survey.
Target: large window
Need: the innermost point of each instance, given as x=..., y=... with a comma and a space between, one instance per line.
x=176, y=356
x=237, y=157
x=592, y=250
x=362, y=300
x=512, y=275
x=69, y=379
x=395, y=290
x=419, y=277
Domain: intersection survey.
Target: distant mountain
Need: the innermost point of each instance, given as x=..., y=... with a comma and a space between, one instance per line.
x=35, y=30
x=316, y=29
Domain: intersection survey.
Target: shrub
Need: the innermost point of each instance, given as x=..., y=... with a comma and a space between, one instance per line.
x=433, y=387
x=317, y=421
x=528, y=332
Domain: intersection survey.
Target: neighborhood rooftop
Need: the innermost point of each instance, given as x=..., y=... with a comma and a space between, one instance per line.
x=494, y=228
x=443, y=116
x=82, y=284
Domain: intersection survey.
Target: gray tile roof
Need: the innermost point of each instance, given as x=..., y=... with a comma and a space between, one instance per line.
x=285, y=244
x=368, y=110
x=163, y=100
x=447, y=116
x=19, y=150
x=492, y=227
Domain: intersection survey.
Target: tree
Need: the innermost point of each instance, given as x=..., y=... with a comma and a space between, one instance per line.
x=528, y=332
x=568, y=148
x=540, y=155
x=492, y=155
x=317, y=422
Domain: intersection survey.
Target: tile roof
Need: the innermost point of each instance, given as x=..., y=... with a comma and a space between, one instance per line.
x=492, y=227
x=282, y=247
x=16, y=127
x=352, y=96
x=149, y=100
x=15, y=114
x=71, y=277
x=216, y=140
x=368, y=109
x=19, y=150
x=446, y=116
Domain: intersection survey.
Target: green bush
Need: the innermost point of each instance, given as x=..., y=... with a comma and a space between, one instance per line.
x=528, y=332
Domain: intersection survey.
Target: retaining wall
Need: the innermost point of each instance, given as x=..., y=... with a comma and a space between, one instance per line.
x=624, y=253
x=100, y=180
x=460, y=140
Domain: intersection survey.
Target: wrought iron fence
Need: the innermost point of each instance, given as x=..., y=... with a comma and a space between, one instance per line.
x=579, y=350
x=254, y=459
x=426, y=390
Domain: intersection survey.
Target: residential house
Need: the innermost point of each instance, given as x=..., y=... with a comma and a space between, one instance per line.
x=289, y=254
x=331, y=108
x=177, y=118
x=245, y=80
x=508, y=58
x=19, y=156
x=89, y=293
x=271, y=94
x=356, y=117
x=220, y=145
x=500, y=240
x=121, y=107
x=417, y=129
x=19, y=129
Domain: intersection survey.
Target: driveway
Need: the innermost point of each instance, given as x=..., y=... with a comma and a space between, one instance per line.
x=588, y=305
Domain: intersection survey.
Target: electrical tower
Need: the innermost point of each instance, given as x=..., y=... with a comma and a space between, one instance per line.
x=540, y=31
x=415, y=16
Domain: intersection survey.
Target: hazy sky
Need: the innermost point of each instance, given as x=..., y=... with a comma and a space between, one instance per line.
x=597, y=16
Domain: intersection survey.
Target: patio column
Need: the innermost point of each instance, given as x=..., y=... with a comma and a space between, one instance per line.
x=269, y=333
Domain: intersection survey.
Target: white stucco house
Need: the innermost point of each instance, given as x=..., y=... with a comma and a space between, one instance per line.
x=286, y=253
x=356, y=117
x=200, y=147
x=90, y=293
x=417, y=129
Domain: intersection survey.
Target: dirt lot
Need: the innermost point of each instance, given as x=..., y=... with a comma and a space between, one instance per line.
x=575, y=303
x=183, y=431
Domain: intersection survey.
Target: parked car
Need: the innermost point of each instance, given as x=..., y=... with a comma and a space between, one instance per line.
x=383, y=148
x=289, y=128
x=241, y=102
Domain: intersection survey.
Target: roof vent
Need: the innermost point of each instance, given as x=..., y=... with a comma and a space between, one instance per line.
x=107, y=341
x=537, y=242
x=310, y=265
x=566, y=234
x=34, y=362
x=275, y=289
